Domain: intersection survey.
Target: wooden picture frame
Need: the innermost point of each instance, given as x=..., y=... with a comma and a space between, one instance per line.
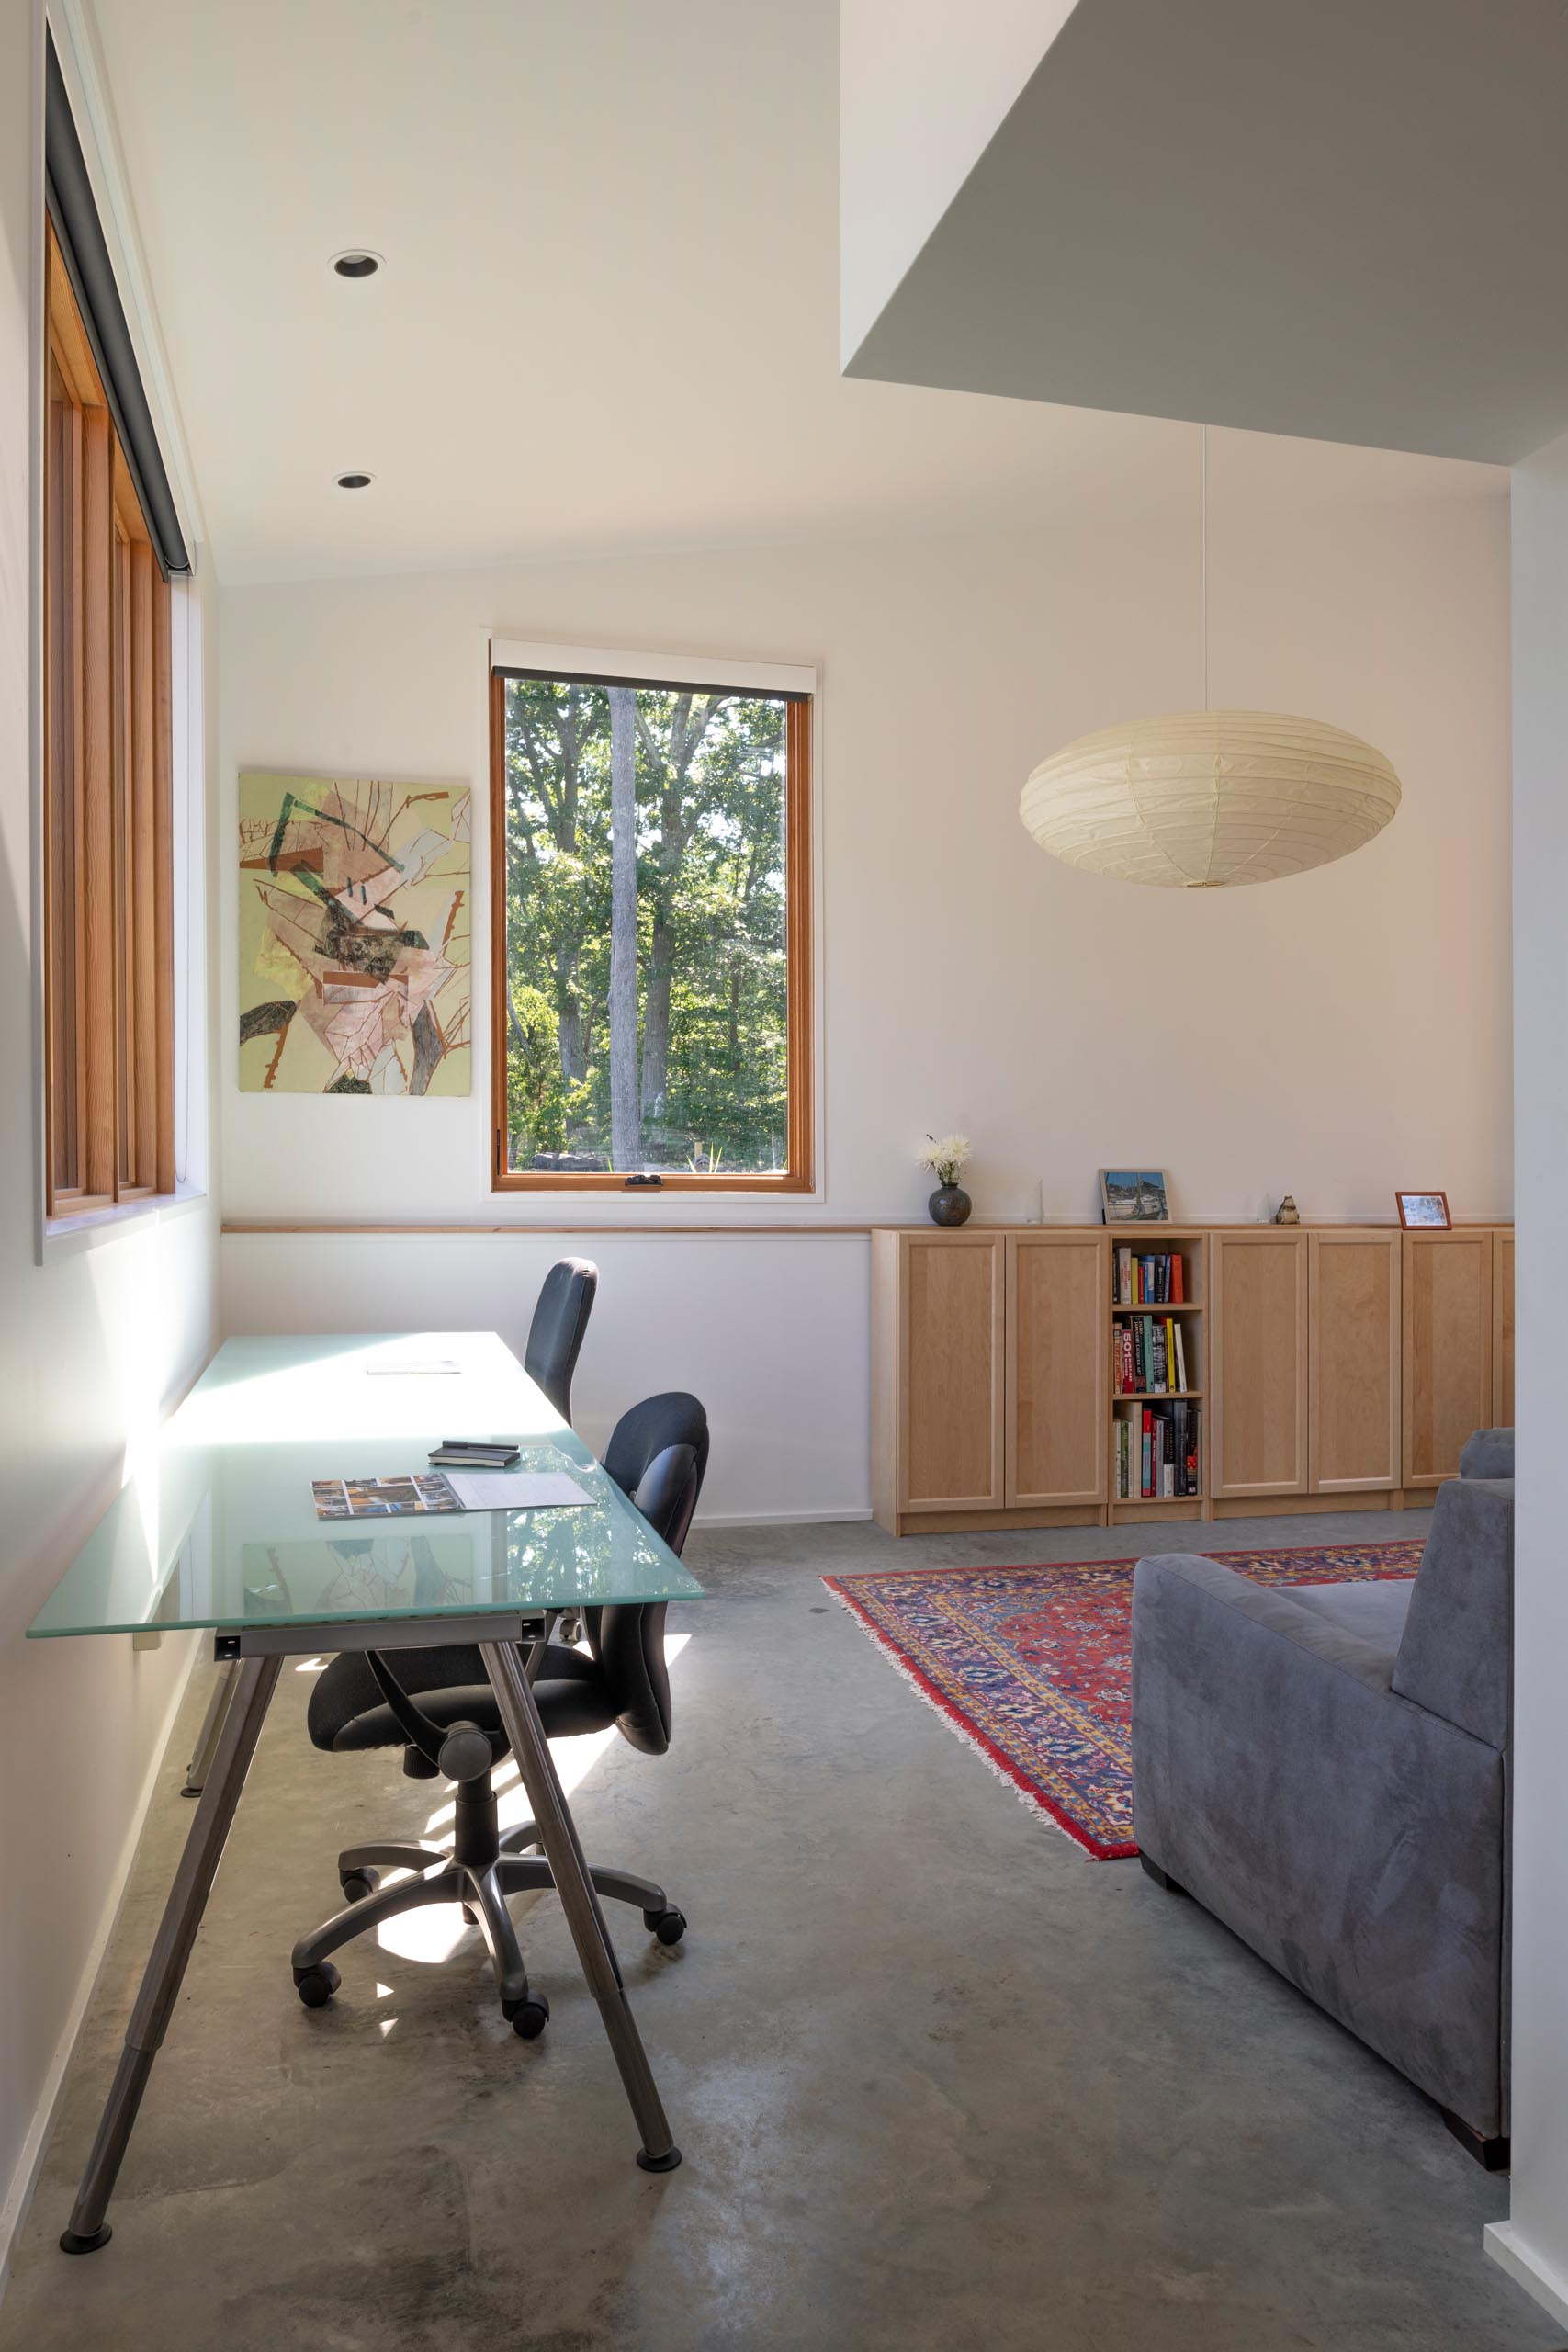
x=1419, y=1223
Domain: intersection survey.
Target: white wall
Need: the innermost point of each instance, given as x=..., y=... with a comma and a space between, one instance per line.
x=1333, y=1036
x=94, y=1345
x=1533, y=2245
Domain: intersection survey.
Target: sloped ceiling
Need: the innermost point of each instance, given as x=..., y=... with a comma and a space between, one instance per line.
x=1346, y=220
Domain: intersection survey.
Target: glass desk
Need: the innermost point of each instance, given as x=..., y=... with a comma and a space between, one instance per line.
x=220, y=1532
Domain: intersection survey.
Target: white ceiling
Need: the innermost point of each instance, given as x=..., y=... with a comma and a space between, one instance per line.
x=608, y=317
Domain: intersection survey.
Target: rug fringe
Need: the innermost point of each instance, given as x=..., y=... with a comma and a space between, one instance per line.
x=1028, y=1797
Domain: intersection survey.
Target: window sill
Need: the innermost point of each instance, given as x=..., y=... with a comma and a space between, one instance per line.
x=66, y=1237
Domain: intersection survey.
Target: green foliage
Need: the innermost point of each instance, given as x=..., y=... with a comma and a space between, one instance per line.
x=712, y=993
x=535, y=1092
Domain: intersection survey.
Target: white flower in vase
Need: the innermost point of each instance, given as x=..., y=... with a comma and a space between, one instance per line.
x=944, y=1156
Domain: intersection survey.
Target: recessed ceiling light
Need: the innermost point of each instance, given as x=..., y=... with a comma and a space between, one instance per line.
x=358, y=262
x=355, y=482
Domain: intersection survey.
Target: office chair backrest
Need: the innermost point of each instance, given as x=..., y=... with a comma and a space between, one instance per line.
x=557, y=1332
x=658, y=1454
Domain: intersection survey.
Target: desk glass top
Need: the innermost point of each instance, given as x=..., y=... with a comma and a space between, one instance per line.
x=221, y=1531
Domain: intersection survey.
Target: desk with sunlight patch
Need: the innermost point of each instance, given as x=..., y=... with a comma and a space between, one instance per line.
x=220, y=1534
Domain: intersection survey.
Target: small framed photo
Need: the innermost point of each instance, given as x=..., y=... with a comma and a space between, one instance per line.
x=1133, y=1196
x=1420, y=1211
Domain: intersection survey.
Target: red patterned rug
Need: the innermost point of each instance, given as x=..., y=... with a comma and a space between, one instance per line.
x=1032, y=1666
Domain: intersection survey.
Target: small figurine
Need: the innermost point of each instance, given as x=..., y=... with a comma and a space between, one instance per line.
x=1287, y=1213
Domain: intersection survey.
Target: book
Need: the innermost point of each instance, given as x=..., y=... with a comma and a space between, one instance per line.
x=474, y=1453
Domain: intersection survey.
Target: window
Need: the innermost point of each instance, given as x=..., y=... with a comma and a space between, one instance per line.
x=108, y=884
x=651, y=879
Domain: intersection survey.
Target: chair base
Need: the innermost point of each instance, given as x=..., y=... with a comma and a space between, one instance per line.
x=480, y=1872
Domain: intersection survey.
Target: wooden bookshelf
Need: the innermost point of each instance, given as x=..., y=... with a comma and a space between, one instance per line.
x=1190, y=1246
x=1332, y=1368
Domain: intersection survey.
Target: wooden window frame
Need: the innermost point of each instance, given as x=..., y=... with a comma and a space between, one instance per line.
x=798, y=1175
x=108, y=826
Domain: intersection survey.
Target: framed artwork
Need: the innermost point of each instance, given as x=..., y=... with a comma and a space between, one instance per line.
x=1423, y=1210
x=1133, y=1196
x=353, y=937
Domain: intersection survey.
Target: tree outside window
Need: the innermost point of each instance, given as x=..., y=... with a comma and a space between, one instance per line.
x=652, y=989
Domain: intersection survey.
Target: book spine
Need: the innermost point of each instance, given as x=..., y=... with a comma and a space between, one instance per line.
x=1179, y=1281
x=1145, y=1480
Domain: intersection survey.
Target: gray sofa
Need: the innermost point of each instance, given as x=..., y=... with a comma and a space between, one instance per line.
x=1326, y=1769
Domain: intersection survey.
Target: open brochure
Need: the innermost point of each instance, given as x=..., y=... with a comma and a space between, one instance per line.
x=439, y=1491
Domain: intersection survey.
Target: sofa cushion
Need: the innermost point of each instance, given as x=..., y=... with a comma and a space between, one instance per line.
x=1374, y=1612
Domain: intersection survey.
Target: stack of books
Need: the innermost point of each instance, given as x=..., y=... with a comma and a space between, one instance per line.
x=1150, y=1281
x=1158, y=1453
x=1149, y=1357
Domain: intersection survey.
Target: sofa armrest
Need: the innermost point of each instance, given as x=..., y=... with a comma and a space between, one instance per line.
x=1352, y=1838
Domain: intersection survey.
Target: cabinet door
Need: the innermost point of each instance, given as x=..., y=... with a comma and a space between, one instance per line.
x=951, y=1373
x=1448, y=1350
x=1353, y=1356
x=1503, y=1330
x=1258, y=1437
x=1058, y=1357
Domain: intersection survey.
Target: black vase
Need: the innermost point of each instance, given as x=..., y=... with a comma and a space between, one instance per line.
x=950, y=1204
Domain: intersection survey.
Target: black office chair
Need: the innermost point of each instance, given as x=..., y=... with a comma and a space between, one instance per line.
x=559, y=1327
x=439, y=1705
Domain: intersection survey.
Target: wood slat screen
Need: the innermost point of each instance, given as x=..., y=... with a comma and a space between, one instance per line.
x=108, y=830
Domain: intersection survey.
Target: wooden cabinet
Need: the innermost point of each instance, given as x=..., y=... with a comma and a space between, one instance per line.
x=1330, y=1363
x=1258, y=1439
x=1503, y=1330
x=1447, y=1349
x=937, y=1411
x=1354, y=1338
x=1057, y=1354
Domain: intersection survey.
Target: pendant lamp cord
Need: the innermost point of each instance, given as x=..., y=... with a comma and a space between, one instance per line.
x=1203, y=547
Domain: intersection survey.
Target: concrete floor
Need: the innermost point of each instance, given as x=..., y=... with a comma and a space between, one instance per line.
x=939, y=2079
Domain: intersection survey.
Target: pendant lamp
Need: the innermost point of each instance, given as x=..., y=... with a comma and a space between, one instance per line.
x=1208, y=800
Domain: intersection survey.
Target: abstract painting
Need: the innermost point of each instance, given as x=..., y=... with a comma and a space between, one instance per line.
x=353, y=937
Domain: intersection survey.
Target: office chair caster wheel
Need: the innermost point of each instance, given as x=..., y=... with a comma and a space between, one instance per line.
x=316, y=1986
x=357, y=1884
x=668, y=1926
x=528, y=2017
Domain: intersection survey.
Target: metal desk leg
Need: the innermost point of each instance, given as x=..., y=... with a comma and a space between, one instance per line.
x=558, y=1835
x=255, y=1681
x=211, y=1725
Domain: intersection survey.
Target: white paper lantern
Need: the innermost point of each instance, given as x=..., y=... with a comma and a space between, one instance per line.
x=1206, y=799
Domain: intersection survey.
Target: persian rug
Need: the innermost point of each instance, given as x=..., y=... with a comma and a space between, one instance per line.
x=1033, y=1665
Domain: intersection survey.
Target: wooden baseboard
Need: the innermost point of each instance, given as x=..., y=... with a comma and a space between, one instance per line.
x=1152, y=1510
x=962, y=1522
x=1136, y=1510
x=1303, y=1506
